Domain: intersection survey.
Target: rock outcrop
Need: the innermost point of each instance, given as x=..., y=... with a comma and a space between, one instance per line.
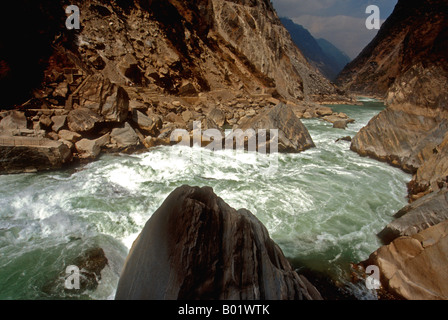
x=414, y=267
x=421, y=214
x=415, y=32
x=402, y=137
x=24, y=154
x=293, y=136
x=406, y=64
x=432, y=175
x=197, y=247
x=205, y=46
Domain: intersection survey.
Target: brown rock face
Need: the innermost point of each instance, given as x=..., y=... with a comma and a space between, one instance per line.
x=174, y=47
x=83, y=120
x=414, y=267
x=19, y=154
x=402, y=137
x=421, y=214
x=197, y=247
x=293, y=136
x=13, y=120
x=415, y=32
x=276, y=56
x=407, y=65
x=103, y=97
x=432, y=175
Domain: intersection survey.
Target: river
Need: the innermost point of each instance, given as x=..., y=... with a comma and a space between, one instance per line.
x=323, y=207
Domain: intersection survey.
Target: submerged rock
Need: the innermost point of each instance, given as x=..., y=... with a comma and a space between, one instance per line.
x=195, y=246
x=90, y=263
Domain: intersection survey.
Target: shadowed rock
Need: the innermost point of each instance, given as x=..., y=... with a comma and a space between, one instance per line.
x=24, y=154
x=195, y=246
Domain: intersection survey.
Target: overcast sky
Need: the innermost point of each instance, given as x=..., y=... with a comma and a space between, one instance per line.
x=342, y=22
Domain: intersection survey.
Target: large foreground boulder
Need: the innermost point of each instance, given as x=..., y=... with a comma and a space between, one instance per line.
x=195, y=246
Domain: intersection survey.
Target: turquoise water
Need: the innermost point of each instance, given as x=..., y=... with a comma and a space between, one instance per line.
x=323, y=207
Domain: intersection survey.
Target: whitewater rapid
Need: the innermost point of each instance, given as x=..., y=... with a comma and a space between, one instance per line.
x=323, y=206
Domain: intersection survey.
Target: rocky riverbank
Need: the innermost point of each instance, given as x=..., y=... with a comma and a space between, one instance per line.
x=52, y=138
x=134, y=73
x=411, y=134
x=413, y=262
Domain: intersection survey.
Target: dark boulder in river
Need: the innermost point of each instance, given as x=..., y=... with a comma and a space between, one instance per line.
x=195, y=246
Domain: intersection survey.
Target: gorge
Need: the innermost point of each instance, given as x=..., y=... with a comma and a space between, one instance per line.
x=87, y=160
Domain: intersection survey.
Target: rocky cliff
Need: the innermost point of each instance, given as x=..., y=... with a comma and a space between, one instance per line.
x=173, y=47
x=412, y=264
x=197, y=247
x=136, y=70
x=414, y=34
x=328, y=59
x=406, y=64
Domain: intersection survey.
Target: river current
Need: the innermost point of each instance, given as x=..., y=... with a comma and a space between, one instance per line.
x=323, y=207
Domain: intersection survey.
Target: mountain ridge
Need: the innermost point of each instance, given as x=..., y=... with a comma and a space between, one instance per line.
x=321, y=53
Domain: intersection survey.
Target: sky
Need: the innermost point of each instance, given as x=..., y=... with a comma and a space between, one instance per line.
x=342, y=22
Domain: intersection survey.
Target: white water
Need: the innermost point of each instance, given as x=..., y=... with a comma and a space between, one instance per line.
x=323, y=207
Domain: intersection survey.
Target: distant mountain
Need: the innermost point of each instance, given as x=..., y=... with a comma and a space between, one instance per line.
x=339, y=58
x=320, y=53
x=416, y=32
